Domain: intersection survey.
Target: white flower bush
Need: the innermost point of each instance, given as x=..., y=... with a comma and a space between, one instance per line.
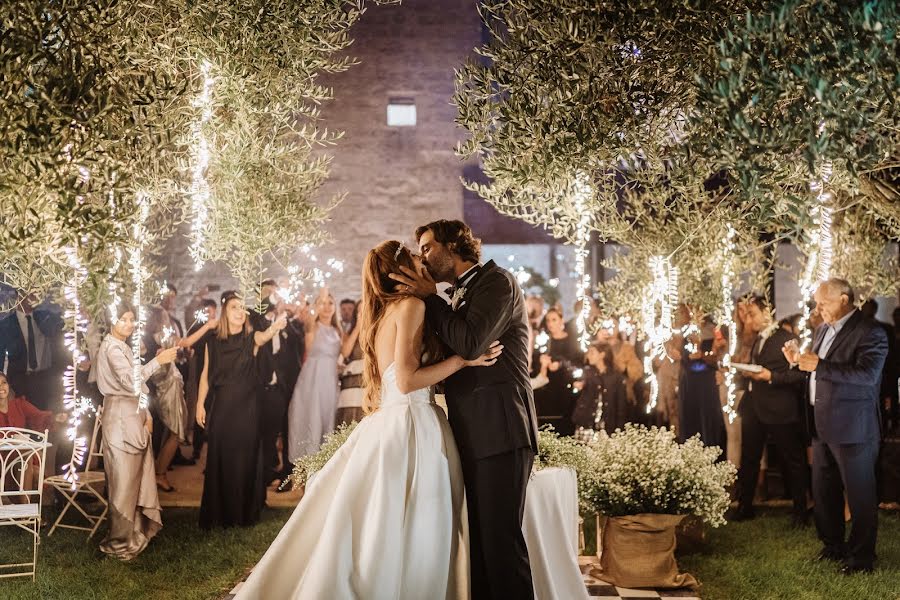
x=640, y=470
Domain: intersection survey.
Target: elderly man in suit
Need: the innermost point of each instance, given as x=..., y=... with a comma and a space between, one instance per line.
x=844, y=368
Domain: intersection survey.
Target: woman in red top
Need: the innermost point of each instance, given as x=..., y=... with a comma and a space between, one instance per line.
x=19, y=412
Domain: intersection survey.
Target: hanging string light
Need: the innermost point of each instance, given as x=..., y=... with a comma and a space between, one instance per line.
x=77, y=406
x=582, y=236
x=199, y=191
x=660, y=295
x=727, y=320
x=819, y=258
x=137, y=278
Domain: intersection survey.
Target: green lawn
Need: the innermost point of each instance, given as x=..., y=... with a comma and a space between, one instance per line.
x=181, y=562
x=765, y=559
x=756, y=560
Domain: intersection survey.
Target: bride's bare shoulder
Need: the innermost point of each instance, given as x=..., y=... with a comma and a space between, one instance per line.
x=411, y=310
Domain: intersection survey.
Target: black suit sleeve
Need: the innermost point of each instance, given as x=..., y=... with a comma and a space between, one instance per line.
x=486, y=319
x=866, y=368
x=782, y=373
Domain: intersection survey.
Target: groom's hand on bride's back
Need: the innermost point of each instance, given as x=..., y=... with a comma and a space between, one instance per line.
x=419, y=284
x=489, y=357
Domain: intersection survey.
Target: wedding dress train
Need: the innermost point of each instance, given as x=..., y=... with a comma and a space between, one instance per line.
x=384, y=519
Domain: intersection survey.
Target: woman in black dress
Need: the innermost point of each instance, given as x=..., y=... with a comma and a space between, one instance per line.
x=233, y=488
x=699, y=408
x=554, y=402
x=603, y=388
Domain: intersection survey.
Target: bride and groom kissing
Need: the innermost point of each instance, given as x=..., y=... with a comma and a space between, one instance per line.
x=413, y=506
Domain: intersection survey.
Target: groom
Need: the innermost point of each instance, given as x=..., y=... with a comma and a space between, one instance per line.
x=491, y=409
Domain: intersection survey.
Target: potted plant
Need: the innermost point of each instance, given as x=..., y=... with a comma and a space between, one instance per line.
x=645, y=484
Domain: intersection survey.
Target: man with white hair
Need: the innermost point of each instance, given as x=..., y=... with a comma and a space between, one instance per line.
x=844, y=367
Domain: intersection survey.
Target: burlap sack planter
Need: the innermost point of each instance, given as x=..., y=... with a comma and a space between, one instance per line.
x=638, y=551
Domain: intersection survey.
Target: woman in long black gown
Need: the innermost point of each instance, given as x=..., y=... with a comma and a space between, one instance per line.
x=556, y=400
x=233, y=487
x=699, y=408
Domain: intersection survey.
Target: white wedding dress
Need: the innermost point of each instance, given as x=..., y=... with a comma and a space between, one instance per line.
x=385, y=518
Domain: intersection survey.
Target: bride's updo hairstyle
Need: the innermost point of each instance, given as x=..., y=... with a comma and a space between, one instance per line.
x=379, y=292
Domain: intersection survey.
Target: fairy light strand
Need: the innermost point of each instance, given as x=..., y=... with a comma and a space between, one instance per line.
x=727, y=321
x=199, y=191
x=76, y=405
x=660, y=295
x=582, y=235
x=820, y=254
x=137, y=276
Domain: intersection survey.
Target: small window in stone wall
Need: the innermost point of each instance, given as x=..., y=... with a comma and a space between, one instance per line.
x=401, y=112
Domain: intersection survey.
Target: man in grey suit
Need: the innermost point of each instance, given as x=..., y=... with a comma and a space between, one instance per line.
x=844, y=368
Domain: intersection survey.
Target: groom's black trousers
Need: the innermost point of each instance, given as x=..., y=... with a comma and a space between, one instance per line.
x=495, y=498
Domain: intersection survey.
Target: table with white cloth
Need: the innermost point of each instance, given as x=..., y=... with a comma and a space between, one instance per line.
x=550, y=527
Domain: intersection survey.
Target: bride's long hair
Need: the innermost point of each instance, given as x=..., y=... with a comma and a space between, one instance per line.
x=379, y=292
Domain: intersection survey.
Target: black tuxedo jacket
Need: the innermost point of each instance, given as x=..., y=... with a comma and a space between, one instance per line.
x=290, y=354
x=780, y=401
x=491, y=409
x=848, y=381
x=13, y=346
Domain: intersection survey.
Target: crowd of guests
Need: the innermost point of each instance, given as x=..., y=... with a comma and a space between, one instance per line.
x=822, y=413
x=258, y=386
x=261, y=386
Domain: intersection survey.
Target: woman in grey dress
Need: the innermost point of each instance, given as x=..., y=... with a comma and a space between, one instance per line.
x=167, y=398
x=134, y=511
x=314, y=402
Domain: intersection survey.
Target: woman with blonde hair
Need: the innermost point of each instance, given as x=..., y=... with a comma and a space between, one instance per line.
x=384, y=518
x=314, y=401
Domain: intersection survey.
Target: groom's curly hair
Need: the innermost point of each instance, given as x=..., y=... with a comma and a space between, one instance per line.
x=457, y=236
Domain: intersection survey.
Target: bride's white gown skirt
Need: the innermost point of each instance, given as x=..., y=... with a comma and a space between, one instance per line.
x=384, y=519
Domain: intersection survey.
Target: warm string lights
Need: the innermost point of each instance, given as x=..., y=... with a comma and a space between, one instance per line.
x=819, y=257
x=137, y=277
x=199, y=191
x=660, y=296
x=77, y=406
x=727, y=320
x=582, y=236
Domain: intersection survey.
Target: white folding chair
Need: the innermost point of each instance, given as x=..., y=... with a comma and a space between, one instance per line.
x=89, y=485
x=21, y=450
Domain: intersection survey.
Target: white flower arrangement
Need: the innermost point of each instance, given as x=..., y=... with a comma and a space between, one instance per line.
x=640, y=470
x=458, y=295
x=305, y=466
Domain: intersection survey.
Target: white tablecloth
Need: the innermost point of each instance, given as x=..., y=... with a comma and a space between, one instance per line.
x=550, y=526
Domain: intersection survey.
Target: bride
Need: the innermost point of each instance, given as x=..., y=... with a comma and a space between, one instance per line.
x=385, y=517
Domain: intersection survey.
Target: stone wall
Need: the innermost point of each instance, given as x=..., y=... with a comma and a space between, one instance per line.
x=395, y=178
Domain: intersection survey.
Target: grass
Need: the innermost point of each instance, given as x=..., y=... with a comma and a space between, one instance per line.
x=181, y=562
x=764, y=559
x=761, y=559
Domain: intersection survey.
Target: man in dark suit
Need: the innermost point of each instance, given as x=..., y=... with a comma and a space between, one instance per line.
x=491, y=409
x=278, y=362
x=844, y=369
x=771, y=406
x=29, y=342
